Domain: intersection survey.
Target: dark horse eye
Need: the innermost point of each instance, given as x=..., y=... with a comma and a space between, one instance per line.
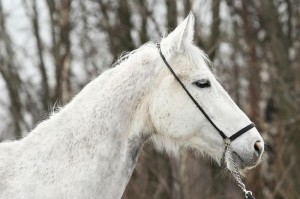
x=203, y=83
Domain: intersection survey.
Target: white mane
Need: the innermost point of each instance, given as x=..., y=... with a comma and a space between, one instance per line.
x=92, y=125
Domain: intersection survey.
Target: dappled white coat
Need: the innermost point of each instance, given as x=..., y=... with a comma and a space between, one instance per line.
x=88, y=149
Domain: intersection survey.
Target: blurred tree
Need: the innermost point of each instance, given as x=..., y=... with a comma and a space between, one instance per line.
x=10, y=75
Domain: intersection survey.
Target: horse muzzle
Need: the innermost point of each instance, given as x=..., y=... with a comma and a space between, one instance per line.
x=250, y=159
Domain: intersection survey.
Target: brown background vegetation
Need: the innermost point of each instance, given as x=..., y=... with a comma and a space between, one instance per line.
x=254, y=46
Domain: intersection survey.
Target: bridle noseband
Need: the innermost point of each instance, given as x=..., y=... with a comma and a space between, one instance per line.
x=227, y=140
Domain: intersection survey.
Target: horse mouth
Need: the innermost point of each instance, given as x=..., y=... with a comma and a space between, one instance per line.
x=238, y=161
x=241, y=164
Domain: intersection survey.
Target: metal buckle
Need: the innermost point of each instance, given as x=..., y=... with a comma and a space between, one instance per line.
x=227, y=142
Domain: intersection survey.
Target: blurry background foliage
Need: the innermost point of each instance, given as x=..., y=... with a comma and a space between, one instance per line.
x=49, y=49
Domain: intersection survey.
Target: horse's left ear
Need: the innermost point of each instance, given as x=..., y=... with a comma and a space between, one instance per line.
x=187, y=35
x=183, y=33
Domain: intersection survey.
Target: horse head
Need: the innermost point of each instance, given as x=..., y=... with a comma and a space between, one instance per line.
x=177, y=121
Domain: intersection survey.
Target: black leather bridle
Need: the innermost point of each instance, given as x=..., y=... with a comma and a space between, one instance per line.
x=227, y=140
x=231, y=138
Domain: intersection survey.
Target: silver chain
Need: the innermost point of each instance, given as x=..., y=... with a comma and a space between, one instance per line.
x=236, y=175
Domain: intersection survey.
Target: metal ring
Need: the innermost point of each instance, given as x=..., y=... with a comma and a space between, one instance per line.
x=248, y=194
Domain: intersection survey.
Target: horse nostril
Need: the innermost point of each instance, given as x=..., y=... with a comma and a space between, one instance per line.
x=258, y=146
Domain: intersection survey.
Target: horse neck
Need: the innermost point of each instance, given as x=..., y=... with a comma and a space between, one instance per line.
x=104, y=126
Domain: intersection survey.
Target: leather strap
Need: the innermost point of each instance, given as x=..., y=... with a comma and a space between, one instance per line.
x=231, y=138
x=242, y=131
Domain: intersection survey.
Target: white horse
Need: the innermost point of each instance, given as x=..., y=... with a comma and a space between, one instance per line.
x=89, y=148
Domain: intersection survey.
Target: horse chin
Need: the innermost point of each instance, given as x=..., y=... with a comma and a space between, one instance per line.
x=237, y=164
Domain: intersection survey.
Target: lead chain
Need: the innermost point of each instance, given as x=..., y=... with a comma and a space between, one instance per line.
x=234, y=172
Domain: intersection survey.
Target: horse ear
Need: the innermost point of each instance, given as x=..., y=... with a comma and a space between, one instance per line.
x=183, y=33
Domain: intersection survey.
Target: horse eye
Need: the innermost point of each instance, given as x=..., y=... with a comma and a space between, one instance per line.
x=203, y=83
